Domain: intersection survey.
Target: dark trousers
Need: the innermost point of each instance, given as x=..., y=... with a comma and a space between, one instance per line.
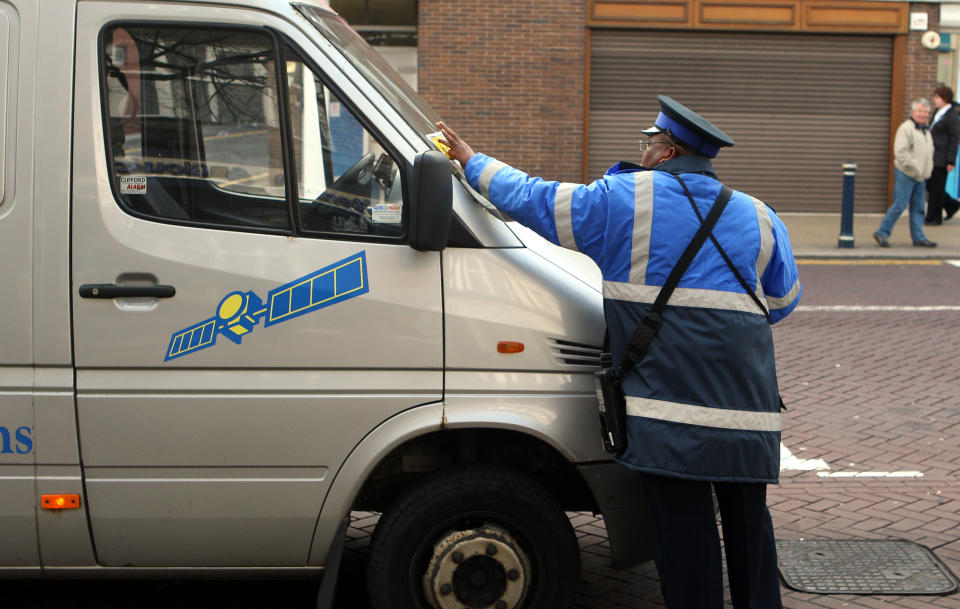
x=688, y=544
x=939, y=201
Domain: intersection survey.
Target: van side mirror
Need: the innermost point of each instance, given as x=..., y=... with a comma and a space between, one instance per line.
x=431, y=201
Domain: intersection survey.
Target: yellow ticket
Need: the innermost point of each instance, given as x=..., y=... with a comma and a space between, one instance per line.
x=440, y=142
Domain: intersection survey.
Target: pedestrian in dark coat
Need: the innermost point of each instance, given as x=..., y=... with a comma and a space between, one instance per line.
x=945, y=129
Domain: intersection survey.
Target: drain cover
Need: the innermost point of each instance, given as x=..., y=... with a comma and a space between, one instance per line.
x=862, y=567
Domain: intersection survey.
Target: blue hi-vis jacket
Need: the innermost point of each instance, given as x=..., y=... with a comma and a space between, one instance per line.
x=704, y=402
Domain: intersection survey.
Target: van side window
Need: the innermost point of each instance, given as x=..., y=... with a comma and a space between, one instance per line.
x=193, y=125
x=347, y=183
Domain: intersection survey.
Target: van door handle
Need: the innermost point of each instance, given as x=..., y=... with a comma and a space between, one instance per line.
x=111, y=290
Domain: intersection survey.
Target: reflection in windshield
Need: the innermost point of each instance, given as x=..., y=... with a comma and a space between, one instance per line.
x=407, y=102
x=374, y=68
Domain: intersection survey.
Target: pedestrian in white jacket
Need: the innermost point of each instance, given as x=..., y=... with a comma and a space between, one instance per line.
x=912, y=166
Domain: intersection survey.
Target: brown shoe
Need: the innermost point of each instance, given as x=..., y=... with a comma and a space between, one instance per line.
x=924, y=243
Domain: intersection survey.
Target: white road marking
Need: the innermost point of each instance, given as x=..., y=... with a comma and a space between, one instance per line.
x=953, y=262
x=789, y=462
x=868, y=262
x=873, y=308
x=904, y=474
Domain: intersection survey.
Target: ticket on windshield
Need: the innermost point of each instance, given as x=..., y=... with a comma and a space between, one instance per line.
x=440, y=142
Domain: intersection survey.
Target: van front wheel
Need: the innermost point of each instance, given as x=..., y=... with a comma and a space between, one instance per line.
x=473, y=536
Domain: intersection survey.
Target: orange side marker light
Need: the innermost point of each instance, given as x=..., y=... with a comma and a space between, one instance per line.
x=60, y=502
x=509, y=346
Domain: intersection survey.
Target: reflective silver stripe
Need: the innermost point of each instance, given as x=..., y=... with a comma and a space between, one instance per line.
x=562, y=215
x=682, y=297
x=642, y=224
x=785, y=300
x=704, y=416
x=486, y=176
x=766, y=241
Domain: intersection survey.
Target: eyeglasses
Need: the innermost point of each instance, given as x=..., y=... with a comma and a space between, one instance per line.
x=646, y=145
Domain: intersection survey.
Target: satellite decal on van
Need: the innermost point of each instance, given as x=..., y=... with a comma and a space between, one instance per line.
x=239, y=312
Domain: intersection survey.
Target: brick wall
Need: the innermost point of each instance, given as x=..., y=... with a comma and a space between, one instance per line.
x=920, y=75
x=509, y=78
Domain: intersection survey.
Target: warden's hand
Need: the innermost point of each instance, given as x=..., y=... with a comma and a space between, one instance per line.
x=459, y=150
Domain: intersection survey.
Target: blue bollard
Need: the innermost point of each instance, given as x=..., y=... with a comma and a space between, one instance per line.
x=846, y=214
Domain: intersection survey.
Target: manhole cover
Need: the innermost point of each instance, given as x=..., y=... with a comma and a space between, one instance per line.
x=862, y=567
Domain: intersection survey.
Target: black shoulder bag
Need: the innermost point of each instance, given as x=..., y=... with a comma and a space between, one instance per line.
x=612, y=403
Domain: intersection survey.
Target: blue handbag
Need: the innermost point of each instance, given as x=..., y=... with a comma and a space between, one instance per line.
x=953, y=180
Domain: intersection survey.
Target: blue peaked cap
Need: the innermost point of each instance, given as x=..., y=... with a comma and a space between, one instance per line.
x=688, y=128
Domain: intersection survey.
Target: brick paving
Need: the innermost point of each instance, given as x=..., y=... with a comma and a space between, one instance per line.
x=872, y=392
x=867, y=393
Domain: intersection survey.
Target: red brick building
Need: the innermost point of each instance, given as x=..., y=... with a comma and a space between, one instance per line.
x=562, y=88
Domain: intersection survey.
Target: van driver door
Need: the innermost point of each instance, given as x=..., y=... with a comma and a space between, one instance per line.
x=245, y=304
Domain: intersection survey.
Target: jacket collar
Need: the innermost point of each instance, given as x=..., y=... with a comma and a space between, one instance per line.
x=690, y=163
x=624, y=167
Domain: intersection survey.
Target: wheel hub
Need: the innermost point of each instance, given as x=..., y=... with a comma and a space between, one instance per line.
x=482, y=568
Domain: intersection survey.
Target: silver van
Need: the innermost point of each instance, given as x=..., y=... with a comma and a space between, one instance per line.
x=245, y=296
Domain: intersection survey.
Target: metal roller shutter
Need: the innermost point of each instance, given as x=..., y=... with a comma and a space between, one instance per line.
x=797, y=105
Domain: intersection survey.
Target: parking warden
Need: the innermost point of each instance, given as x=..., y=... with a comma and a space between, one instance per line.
x=703, y=405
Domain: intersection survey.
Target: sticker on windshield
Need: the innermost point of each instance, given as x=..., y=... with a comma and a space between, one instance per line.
x=440, y=142
x=386, y=213
x=133, y=185
x=239, y=312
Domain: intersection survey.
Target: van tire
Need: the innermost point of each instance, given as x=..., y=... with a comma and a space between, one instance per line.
x=467, y=497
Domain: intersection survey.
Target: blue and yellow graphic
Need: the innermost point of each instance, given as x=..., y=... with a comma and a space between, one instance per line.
x=239, y=312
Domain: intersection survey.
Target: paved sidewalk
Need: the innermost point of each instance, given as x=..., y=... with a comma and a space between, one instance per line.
x=872, y=431
x=815, y=236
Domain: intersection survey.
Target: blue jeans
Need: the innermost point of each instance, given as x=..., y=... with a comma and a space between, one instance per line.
x=906, y=190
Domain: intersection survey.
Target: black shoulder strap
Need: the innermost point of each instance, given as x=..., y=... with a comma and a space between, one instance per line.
x=648, y=326
x=724, y=255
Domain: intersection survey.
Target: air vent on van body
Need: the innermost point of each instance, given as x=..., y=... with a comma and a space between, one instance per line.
x=568, y=353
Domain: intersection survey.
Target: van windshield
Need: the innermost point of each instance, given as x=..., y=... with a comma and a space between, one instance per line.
x=385, y=79
x=374, y=68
